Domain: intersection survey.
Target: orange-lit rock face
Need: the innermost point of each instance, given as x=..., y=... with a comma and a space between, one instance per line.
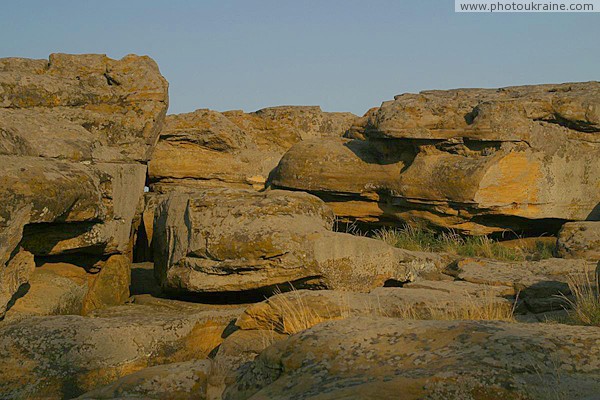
x=477, y=160
x=234, y=149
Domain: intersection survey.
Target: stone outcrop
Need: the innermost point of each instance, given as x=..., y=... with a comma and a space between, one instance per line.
x=75, y=134
x=59, y=288
x=579, y=240
x=66, y=356
x=222, y=240
x=292, y=312
x=473, y=160
x=81, y=107
x=391, y=358
x=180, y=381
x=206, y=148
x=540, y=285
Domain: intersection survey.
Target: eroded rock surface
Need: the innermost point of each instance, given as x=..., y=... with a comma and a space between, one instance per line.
x=75, y=134
x=234, y=149
x=65, y=356
x=81, y=107
x=374, y=358
x=223, y=240
x=579, y=240
x=474, y=160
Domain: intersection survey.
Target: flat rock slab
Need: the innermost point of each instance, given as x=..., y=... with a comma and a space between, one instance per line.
x=181, y=381
x=65, y=356
x=375, y=358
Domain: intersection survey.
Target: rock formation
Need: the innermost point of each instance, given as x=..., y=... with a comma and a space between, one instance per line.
x=580, y=240
x=390, y=358
x=253, y=290
x=221, y=240
x=473, y=160
x=234, y=149
x=75, y=134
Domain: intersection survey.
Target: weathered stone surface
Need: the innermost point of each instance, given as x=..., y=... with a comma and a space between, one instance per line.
x=52, y=289
x=368, y=358
x=540, y=284
x=81, y=107
x=60, y=288
x=295, y=311
x=143, y=245
x=223, y=240
x=66, y=356
x=477, y=161
x=15, y=273
x=489, y=114
x=234, y=149
x=178, y=381
x=75, y=133
x=579, y=240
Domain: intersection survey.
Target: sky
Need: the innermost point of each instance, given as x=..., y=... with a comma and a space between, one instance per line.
x=344, y=55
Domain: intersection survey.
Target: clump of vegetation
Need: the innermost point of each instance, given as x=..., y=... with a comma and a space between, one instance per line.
x=585, y=300
x=294, y=314
x=421, y=239
x=486, y=309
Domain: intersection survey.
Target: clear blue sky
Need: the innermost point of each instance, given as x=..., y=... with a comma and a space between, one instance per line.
x=345, y=55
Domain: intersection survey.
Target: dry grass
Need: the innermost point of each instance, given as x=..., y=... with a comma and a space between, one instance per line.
x=294, y=314
x=486, y=309
x=421, y=239
x=585, y=301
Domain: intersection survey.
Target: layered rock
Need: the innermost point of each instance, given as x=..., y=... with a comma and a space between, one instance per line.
x=65, y=356
x=81, y=107
x=292, y=312
x=224, y=240
x=75, y=134
x=474, y=160
x=579, y=240
x=234, y=149
x=391, y=358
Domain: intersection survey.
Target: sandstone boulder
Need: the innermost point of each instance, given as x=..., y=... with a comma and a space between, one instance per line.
x=375, y=358
x=180, y=381
x=58, y=288
x=75, y=134
x=477, y=161
x=234, y=149
x=65, y=356
x=81, y=107
x=579, y=240
x=222, y=240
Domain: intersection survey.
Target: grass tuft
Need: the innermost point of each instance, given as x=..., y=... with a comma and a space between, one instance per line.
x=585, y=301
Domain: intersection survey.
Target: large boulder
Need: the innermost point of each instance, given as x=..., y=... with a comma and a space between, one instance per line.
x=477, y=160
x=189, y=380
x=81, y=107
x=57, y=357
x=226, y=240
x=75, y=134
x=59, y=288
x=375, y=358
x=579, y=240
x=206, y=148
